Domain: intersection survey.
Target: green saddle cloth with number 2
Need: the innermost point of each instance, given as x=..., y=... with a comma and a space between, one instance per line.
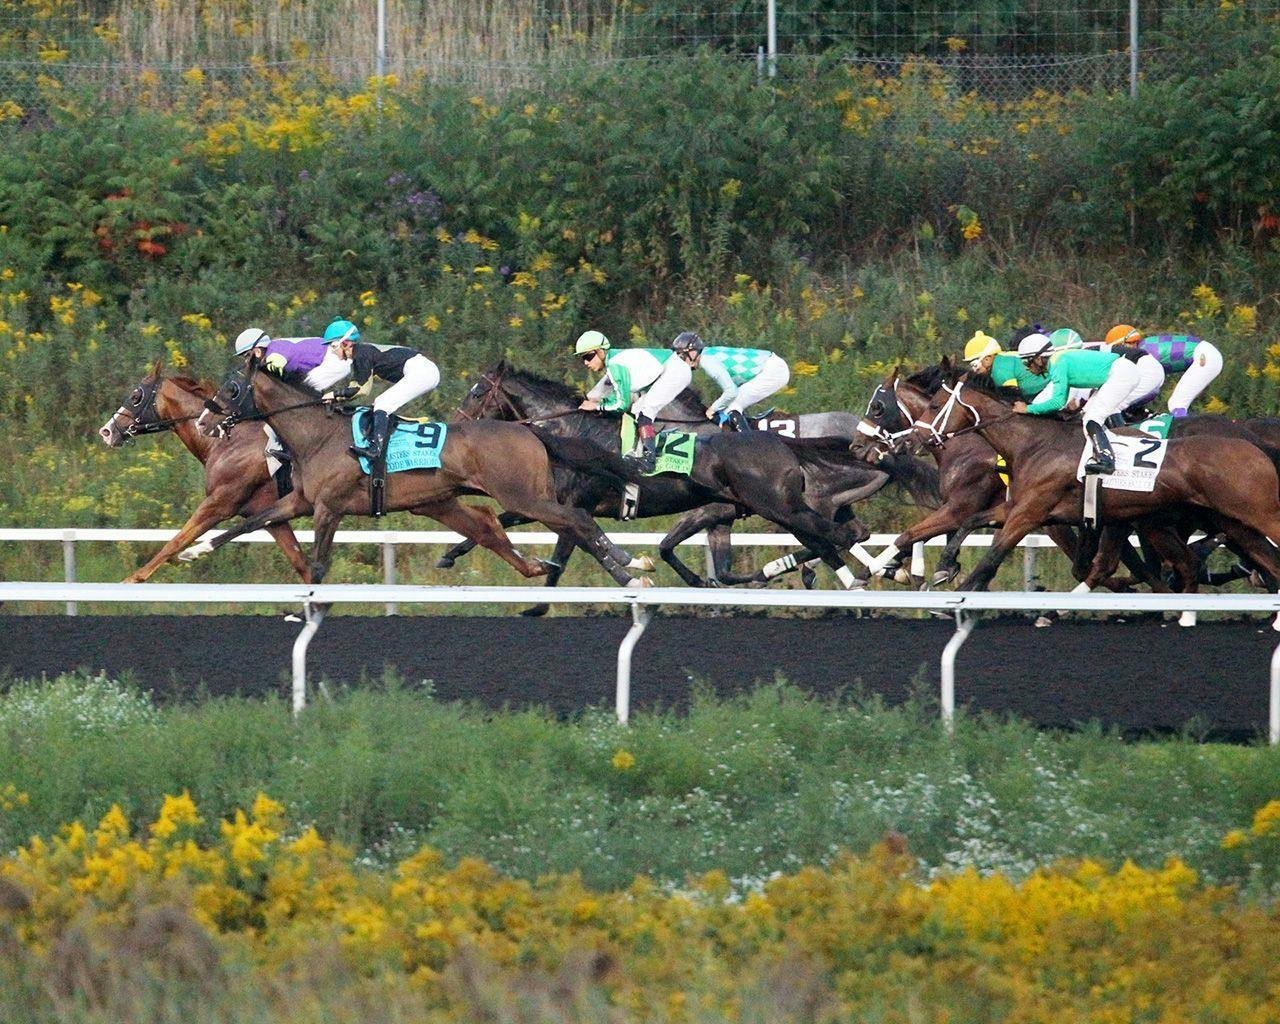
x=414, y=444
x=675, y=448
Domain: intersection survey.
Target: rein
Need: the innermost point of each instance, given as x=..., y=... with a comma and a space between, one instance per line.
x=496, y=396
x=937, y=426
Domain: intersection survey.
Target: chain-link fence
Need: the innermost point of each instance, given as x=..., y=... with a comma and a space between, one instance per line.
x=998, y=52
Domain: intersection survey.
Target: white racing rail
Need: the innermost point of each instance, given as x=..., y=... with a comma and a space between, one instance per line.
x=390, y=540
x=315, y=600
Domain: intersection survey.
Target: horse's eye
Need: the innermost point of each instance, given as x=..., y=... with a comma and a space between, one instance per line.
x=136, y=397
x=877, y=409
x=233, y=390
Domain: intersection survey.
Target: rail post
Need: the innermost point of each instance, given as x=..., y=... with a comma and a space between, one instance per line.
x=389, y=572
x=1028, y=567
x=69, y=565
x=1273, y=730
x=640, y=617
x=314, y=615
x=964, y=626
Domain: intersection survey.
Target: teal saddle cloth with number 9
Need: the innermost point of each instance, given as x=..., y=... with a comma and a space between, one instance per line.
x=414, y=444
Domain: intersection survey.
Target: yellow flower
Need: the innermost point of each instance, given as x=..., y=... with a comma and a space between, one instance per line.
x=1267, y=819
x=1207, y=302
x=803, y=369
x=432, y=322
x=515, y=321
x=1233, y=839
x=176, y=812
x=1243, y=320
x=623, y=760
x=368, y=299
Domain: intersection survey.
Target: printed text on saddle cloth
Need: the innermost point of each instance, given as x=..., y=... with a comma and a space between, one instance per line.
x=1138, y=462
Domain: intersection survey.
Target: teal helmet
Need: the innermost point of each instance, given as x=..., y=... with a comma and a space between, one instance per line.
x=341, y=330
x=1066, y=338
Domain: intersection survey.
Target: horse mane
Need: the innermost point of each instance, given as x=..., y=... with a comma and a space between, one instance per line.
x=295, y=379
x=929, y=379
x=199, y=388
x=986, y=384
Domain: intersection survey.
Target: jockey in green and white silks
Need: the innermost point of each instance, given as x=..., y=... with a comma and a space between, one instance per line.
x=745, y=375
x=641, y=380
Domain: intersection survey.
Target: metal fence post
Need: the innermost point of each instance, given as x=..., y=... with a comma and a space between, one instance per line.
x=964, y=626
x=640, y=616
x=1028, y=567
x=389, y=573
x=314, y=616
x=69, y=565
x=1273, y=731
x=772, y=37
x=1133, y=48
x=382, y=49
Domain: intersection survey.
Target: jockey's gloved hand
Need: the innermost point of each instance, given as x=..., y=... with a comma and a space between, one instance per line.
x=347, y=393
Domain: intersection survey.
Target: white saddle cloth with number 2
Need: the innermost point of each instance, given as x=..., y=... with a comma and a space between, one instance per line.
x=1138, y=462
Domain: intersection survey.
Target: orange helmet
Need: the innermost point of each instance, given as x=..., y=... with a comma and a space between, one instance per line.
x=1122, y=334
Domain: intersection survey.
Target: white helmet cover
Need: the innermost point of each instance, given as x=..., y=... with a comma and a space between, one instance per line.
x=251, y=337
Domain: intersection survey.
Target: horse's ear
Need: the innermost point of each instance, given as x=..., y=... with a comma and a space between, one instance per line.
x=945, y=362
x=158, y=368
x=893, y=377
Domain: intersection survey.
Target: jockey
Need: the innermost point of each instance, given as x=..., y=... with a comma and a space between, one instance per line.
x=1064, y=338
x=642, y=380
x=745, y=375
x=1123, y=377
x=303, y=356
x=983, y=354
x=1198, y=361
x=410, y=374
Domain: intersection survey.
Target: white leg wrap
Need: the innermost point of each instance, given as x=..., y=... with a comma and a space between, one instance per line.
x=845, y=575
x=885, y=557
x=1187, y=619
x=778, y=566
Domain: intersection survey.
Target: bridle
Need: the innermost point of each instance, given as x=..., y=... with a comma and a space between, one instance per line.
x=494, y=395
x=937, y=427
x=239, y=388
x=144, y=418
x=869, y=426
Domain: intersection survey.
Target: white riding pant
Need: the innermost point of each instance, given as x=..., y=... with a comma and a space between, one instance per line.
x=1126, y=384
x=1150, y=380
x=774, y=375
x=420, y=376
x=676, y=375
x=1205, y=367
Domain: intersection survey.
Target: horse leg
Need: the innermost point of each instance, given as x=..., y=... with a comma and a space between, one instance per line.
x=721, y=547
x=943, y=520
x=1019, y=521
x=208, y=514
x=325, y=524
x=481, y=525
x=555, y=569
x=289, y=507
x=506, y=520
x=948, y=567
x=577, y=526
x=287, y=541
x=708, y=517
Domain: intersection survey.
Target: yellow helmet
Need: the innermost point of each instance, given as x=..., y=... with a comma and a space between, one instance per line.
x=1122, y=334
x=980, y=345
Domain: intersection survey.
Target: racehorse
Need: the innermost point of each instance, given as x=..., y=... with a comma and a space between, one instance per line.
x=501, y=460
x=1227, y=476
x=237, y=480
x=509, y=393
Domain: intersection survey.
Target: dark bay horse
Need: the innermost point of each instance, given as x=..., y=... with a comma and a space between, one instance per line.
x=503, y=461
x=509, y=393
x=1227, y=476
x=236, y=478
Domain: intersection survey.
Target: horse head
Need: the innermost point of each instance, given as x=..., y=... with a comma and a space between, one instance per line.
x=490, y=397
x=232, y=402
x=137, y=413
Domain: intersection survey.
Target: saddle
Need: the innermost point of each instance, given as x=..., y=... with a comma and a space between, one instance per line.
x=413, y=443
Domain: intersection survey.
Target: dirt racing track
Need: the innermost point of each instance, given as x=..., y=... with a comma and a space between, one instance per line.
x=1142, y=675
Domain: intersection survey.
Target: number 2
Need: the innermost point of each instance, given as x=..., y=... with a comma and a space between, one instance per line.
x=1147, y=448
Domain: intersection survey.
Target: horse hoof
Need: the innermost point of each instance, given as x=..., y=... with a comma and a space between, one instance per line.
x=808, y=578
x=445, y=562
x=643, y=563
x=903, y=577
x=536, y=611
x=1043, y=621
x=195, y=551
x=639, y=583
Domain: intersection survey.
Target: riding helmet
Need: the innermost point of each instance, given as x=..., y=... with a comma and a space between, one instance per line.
x=687, y=341
x=980, y=346
x=341, y=330
x=1066, y=338
x=1123, y=334
x=589, y=341
x=1034, y=345
x=251, y=337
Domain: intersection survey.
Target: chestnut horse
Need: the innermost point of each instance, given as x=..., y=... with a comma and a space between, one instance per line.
x=502, y=460
x=236, y=478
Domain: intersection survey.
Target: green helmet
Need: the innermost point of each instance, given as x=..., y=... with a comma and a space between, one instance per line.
x=1066, y=338
x=589, y=342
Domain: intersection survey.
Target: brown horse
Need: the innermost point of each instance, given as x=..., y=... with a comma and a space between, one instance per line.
x=236, y=478
x=501, y=460
x=1229, y=477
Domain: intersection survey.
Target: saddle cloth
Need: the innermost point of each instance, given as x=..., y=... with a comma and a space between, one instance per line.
x=414, y=444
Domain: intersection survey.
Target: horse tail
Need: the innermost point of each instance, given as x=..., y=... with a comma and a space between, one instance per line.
x=919, y=477
x=583, y=456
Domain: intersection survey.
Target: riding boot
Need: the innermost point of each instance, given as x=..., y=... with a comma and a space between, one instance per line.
x=375, y=437
x=1104, y=459
x=738, y=422
x=647, y=435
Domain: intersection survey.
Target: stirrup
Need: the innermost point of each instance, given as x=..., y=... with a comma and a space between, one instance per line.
x=1100, y=466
